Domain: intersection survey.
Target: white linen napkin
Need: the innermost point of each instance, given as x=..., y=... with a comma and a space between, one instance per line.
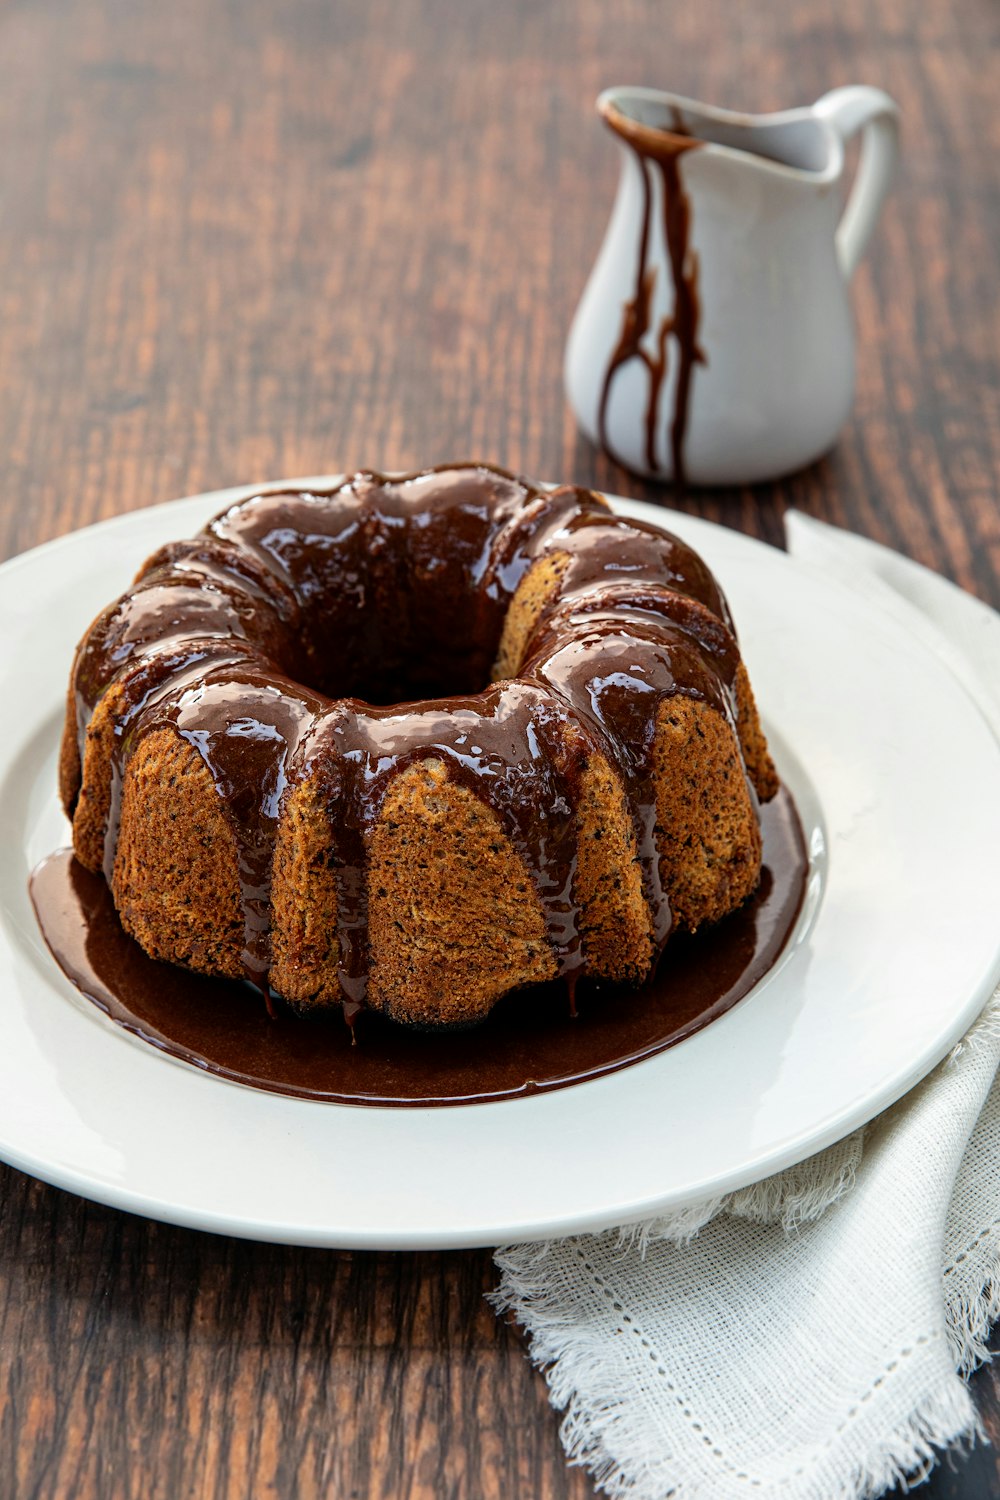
x=805, y=1338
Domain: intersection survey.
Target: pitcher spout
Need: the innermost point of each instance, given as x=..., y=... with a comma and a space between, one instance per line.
x=796, y=142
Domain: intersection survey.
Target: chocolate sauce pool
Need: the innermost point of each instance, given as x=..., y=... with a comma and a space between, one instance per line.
x=529, y=1043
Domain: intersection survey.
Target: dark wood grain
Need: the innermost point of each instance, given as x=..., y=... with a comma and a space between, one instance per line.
x=247, y=240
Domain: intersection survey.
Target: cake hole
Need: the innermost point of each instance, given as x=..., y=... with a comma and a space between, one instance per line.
x=403, y=660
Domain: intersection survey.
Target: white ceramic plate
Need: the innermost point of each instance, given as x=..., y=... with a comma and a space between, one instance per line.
x=897, y=950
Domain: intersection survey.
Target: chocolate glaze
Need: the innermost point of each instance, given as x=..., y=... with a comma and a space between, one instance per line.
x=662, y=149
x=399, y=588
x=526, y=1045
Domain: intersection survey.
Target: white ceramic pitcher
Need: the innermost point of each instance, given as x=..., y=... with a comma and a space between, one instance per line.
x=714, y=342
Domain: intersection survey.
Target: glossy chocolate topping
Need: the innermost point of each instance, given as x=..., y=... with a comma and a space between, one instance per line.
x=343, y=636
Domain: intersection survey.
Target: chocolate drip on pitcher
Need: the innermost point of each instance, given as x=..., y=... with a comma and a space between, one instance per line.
x=665, y=150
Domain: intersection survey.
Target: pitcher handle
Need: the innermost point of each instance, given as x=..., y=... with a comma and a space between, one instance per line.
x=849, y=110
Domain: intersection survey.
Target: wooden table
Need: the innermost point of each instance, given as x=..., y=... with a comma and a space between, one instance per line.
x=264, y=239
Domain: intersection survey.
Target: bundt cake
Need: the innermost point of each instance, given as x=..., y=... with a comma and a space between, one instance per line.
x=412, y=743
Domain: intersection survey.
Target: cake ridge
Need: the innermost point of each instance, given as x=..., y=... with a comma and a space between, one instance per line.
x=490, y=738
